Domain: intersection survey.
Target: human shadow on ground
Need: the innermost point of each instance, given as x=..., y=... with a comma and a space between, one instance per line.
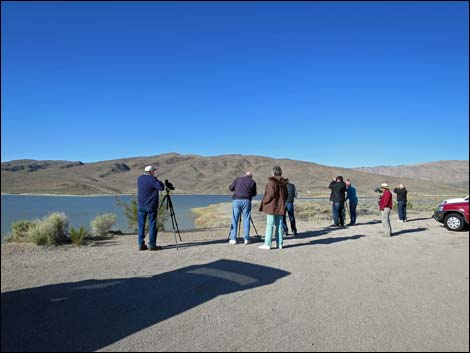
x=418, y=219
x=326, y=241
x=92, y=314
x=370, y=222
x=406, y=231
x=314, y=233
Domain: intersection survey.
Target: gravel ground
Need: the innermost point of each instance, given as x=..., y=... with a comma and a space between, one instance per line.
x=328, y=290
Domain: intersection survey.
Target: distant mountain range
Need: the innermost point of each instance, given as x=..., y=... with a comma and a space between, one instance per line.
x=453, y=172
x=192, y=174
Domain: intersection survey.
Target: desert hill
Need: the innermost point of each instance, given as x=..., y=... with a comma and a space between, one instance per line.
x=192, y=174
x=447, y=172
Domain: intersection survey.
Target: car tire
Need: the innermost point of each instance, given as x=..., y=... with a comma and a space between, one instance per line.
x=454, y=222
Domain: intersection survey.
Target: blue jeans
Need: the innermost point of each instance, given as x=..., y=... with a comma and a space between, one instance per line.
x=240, y=207
x=338, y=213
x=273, y=220
x=352, y=211
x=401, y=205
x=290, y=212
x=142, y=217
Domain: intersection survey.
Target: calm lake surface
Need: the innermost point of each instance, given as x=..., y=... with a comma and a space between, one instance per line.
x=83, y=209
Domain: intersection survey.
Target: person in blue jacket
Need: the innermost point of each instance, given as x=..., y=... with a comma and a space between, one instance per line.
x=148, y=187
x=351, y=195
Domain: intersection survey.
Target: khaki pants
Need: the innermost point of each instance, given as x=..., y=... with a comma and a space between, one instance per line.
x=386, y=222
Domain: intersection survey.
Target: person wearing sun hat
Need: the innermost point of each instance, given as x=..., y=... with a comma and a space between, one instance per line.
x=386, y=205
x=148, y=187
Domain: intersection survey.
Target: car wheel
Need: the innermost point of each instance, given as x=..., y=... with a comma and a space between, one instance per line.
x=454, y=222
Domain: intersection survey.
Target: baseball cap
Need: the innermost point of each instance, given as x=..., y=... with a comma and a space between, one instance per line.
x=149, y=168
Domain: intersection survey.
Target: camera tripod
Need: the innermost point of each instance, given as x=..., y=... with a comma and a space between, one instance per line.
x=239, y=224
x=174, y=223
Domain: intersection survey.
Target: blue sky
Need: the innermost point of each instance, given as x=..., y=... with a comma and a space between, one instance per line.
x=336, y=83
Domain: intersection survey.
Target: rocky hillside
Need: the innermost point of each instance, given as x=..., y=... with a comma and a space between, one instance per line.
x=447, y=172
x=193, y=175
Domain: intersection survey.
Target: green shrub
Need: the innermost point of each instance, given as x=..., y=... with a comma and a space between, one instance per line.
x=131, y=212
x=19, y=231
x=50, y=230
x=102, y=223
x=78, y=236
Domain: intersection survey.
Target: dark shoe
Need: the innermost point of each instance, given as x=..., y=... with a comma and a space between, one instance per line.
x=295, y=233
x=155, y=248
x=350, y=224
x=143, y=247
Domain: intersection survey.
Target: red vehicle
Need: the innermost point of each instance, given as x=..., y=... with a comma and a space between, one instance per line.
x=453, y=214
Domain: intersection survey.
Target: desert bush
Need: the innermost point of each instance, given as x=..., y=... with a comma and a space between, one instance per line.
x=131, y=212
x=102, y=223
x=19, y=231
x=78, y=236
x=50, y=230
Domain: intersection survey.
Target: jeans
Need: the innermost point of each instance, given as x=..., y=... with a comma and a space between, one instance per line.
x=338, y=213
x=352, y=211
x=290, y=212
x=271, y=221
x=142, y=217
x=241, y=207
x=401, y=210
x=386, y=222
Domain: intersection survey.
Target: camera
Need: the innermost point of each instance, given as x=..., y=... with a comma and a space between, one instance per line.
x=168, y=185
x=378, y=190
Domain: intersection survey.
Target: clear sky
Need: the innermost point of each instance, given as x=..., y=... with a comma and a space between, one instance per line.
x=336, y=83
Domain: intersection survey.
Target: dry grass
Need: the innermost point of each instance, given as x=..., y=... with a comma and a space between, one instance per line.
x=314, y=211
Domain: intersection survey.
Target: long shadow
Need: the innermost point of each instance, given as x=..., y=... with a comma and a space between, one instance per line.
x=92, y=314
x=419, y=219
x=370, y=222
x=326, y=241
x=406, y=231
x=314, y=233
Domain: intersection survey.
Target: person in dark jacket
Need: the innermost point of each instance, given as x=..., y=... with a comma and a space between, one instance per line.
x=148, y=187
x=291, y=194
x=274, y=206
x=401, y=192
x=385, y=206
x=244, y=189
x=338, y=189
x=351, y=195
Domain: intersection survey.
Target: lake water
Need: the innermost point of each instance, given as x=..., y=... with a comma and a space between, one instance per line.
x=82, y=210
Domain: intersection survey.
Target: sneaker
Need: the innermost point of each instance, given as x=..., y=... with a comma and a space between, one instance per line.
x=232, y=242
x=264, y=247
x=143, y=247
x=247, y=242
x=279, y=247
x=155, y=248
x=400, y=221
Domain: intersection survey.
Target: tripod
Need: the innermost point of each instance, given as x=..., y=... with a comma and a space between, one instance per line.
x=239, y=224
x=174, y=223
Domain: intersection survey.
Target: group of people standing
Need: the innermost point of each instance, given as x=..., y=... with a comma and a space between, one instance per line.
x=277, y=204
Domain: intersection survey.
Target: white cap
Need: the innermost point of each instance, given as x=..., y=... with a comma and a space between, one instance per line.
x=149, y=168
x=384, y=186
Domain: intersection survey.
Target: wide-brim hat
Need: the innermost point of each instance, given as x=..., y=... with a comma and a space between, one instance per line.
x=384, y=186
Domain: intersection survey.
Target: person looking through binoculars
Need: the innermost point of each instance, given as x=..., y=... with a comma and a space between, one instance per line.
x=244, y=189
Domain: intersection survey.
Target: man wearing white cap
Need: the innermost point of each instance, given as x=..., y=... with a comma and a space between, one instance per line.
x=148, y=187
x=386, y=205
